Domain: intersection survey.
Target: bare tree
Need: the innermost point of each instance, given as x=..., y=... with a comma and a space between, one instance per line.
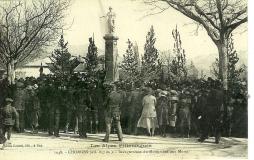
x=27, y=28
x=218, y=17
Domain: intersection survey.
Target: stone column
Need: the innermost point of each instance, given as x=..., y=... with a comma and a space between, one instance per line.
x=111, y=55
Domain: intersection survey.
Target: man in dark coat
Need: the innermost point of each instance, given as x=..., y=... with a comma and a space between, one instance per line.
x=213, y=113
x=200, y=112
x=83, y=103
x=33, y=108
x=134, y=110
x=113, y=104
x=54, y=110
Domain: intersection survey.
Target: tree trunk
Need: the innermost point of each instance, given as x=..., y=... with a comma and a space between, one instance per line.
x=11, y=72
x=223, y=62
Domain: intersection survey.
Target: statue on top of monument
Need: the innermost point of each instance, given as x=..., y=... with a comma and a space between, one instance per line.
x=110, y=20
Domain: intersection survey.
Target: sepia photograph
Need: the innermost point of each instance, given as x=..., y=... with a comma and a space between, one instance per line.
x=124, y=79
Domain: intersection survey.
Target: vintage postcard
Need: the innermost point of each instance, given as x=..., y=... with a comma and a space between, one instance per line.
x=123, y=79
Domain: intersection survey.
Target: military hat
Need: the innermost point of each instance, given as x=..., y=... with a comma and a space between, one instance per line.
x=9, y=100
x=20, y=84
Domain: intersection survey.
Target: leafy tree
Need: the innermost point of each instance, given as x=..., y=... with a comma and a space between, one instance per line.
x=150, y=58
x=62, y=64
x=92, y=56
x=192, y=71
x=178, y=64
x=130, y=63
x=233, y=72
x=27, y=29
x=218, y=17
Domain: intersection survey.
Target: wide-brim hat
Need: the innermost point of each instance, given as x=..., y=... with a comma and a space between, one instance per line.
x=164, y=93
x=173, y=92
x=149, y=90
x=9, y=100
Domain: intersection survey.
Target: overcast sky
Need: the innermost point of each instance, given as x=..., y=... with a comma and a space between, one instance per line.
x=86, y=14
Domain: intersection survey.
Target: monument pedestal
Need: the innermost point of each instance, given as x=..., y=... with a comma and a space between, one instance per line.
x=111, y=55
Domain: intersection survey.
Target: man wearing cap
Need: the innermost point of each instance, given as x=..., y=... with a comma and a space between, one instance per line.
x=10, y=117
x=113, y=104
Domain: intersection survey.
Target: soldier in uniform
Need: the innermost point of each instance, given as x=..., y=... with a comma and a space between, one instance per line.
x=83, y=103
x=19, y=104
x=54, y=110
x=10, y=117
x=113, y=104
x=184, y=114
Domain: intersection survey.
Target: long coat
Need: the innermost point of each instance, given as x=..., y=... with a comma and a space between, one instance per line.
x=163, y=110
x=19, y=99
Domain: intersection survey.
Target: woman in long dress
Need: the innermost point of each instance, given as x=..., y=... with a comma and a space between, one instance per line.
x=148, y=117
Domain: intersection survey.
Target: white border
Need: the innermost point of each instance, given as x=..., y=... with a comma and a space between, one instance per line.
x=250, y=77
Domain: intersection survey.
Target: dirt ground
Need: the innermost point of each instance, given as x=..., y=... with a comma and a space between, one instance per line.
x=40, y=146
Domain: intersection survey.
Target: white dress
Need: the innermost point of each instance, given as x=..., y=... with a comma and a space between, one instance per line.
x=148, y=116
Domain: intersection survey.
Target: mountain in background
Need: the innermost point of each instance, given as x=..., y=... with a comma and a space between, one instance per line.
x=205, y=62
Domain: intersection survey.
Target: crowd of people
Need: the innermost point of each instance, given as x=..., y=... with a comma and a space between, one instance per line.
x=198, y=107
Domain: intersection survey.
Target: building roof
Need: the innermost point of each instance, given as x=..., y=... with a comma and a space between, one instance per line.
x=80, y=68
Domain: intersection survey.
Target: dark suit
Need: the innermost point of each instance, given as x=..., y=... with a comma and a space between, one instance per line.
x=213, y=115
